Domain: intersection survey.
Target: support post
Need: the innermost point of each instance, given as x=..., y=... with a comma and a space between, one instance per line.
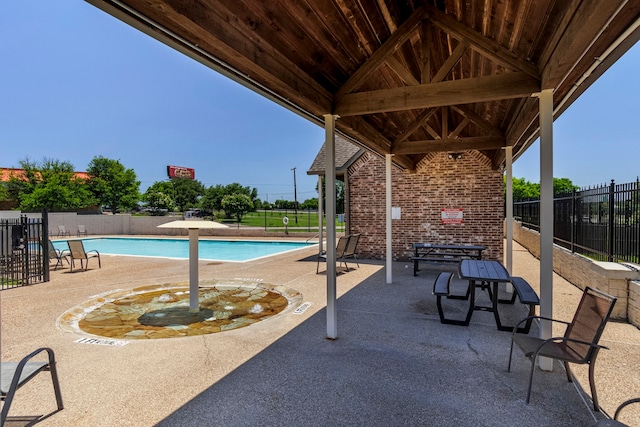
x=509, y=211
x=546, y=218
x=330, y=195
x=320, y=217
x=194, y=300
x=389, y=255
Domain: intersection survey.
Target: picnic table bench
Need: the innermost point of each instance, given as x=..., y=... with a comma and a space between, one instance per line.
x=429, y=252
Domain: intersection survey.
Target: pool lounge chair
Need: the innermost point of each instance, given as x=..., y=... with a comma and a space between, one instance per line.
x=82, y=231
x=340, y=249
x=63, y=232
x=350, y=251
x=58, y=255
x=579, y=344
x=76, y=249
x=16, y=374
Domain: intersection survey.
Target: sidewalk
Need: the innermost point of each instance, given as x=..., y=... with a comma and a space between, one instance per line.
x=393, y=363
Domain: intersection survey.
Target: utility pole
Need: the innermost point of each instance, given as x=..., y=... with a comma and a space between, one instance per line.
x=295, y=195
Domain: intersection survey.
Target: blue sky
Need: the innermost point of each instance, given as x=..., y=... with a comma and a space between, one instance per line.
x=77, y=83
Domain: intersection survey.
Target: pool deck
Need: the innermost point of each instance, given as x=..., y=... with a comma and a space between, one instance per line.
x=393, y=363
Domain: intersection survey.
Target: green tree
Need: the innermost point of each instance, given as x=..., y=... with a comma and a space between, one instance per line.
x=310, y=204
x=187, y=193
x=212, y=199
x=4, y=194
x=52, y=184
x=112, y=184
x=563, y=185
x=237, y=205
x=158, y=202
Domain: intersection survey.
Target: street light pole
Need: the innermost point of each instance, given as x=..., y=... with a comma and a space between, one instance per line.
x=295, y=195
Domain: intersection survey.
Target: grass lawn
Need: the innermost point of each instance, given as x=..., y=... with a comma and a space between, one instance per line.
x=307, y=221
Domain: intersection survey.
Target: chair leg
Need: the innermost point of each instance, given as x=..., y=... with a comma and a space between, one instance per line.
x=510, y=357
x=592, y=382
x=568, y=370
x=533, y=368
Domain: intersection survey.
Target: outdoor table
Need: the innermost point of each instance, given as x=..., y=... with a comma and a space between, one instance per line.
x=486, y=272
x=443, y=253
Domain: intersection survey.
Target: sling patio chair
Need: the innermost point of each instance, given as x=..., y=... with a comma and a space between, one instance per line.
x=340, y=248
x=16, y=374
x=350, y=250
x=76, y=249
x=63, y=232
x=82, y=231
x=579, y=344
x=58, y=255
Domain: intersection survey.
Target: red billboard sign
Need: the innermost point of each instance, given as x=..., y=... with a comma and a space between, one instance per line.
x=181, y=172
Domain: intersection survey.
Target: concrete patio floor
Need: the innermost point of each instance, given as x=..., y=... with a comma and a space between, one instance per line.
x=393, y=363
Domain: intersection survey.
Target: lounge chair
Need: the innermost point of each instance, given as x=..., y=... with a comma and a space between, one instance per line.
x=614, y=422
x=350, y=251
x=82, y=231
x=76, y=249
x=340, y=248
x=58, y=255
x=63, y=232
x=17, y=374
x=579, y=344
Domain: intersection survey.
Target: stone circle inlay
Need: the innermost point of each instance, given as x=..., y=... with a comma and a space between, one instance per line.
x=162, y=311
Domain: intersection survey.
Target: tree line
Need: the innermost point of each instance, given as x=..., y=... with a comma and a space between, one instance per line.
x=54, y=185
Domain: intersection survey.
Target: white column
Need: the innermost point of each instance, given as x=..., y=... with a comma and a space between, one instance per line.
x=330, y=197
x=508, y=154
x=389, y=263
x=546, y=217
x=194, y=304
x=320, y=217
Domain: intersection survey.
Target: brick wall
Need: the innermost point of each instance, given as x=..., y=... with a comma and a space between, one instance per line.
x=468, y=183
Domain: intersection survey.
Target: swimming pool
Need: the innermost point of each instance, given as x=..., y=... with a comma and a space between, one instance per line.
x=212, y=250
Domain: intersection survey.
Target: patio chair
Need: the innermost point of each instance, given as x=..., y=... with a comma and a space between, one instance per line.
x=350, y=251
x=82, y=231
x=76, y=249
x=579, y=343
x=16, y=374
x=63, y=232
x=614, y=422
x=341, y=246
x=58, y=255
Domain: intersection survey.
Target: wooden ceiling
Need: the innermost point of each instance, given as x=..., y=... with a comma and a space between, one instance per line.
x=406, y=77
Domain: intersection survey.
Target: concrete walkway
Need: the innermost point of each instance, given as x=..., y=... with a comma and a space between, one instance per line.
x=393, y=363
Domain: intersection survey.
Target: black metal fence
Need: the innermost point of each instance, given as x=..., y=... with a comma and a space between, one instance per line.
x=602, y=223
x=23, y=259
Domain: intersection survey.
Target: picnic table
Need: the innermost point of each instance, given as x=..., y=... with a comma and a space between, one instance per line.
x=430, y=252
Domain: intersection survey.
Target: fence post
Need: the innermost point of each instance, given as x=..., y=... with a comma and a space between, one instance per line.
x=574, y=222
x=45, y=245
x=611, y=218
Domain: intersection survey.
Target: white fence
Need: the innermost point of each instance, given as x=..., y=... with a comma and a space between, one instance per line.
x=126, y=224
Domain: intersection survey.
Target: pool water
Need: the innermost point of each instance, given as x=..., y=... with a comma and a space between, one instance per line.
x=213, y=250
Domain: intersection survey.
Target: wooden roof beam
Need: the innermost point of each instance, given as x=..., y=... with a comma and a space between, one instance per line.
x=465, y=91
x=482, y=44
x=449, y=144
x=477, y=120
x=379, y=56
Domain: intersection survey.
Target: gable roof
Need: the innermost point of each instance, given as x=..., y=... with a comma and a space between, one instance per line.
x=346, y=154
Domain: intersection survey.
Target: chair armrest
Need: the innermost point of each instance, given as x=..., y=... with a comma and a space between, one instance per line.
x=93, y=250
x=15, y=382
x=537, y=317
x=561, y=339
